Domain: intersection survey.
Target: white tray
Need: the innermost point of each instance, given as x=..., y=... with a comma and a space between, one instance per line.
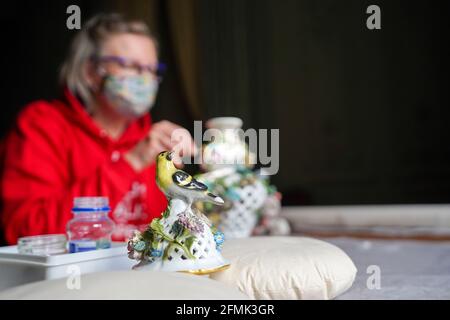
x=17, y=269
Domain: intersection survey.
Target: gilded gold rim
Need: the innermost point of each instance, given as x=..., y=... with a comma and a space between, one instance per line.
x=207, y=271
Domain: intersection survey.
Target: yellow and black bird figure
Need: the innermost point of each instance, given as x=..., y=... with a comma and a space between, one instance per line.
x=178, y=184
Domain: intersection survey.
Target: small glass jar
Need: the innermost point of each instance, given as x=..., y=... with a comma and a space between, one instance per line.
x=90, y=228
x=43, y=245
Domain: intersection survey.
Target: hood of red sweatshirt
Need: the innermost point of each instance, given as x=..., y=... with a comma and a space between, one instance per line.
x=76, y=113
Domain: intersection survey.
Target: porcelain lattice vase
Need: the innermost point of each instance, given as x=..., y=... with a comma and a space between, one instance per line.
x=244, y=195
x=228, y=163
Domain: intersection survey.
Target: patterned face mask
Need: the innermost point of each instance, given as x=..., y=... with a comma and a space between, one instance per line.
x=132, y=95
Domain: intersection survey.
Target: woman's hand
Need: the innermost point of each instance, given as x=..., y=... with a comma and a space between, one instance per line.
x=163, y=136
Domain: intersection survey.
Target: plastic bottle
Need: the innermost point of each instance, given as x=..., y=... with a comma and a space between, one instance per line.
x=90, y=228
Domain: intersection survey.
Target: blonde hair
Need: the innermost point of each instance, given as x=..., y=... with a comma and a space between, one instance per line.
x=87, y=45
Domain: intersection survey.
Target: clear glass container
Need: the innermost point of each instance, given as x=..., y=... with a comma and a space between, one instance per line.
x=46, y=245
x=90, y=228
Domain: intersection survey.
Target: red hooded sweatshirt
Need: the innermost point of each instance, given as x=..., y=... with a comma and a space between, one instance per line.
x=57, y=152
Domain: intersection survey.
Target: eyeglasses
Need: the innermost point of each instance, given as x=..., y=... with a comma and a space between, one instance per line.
x=129, y=64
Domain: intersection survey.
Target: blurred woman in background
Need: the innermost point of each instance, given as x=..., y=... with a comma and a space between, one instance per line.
x=97, y=141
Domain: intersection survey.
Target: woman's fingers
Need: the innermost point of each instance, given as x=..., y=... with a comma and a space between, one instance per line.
x=178, y=162
x=162, y=143
x=156, y=147
x=175, y=138
x=182, y=142
x=166, y=135
x=161, y=138
x=167, y=126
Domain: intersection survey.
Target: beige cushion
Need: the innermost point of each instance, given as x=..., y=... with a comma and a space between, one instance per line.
x=286, y=268
x=128, y=285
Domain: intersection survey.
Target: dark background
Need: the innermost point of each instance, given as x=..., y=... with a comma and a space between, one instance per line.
x=363, y=115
